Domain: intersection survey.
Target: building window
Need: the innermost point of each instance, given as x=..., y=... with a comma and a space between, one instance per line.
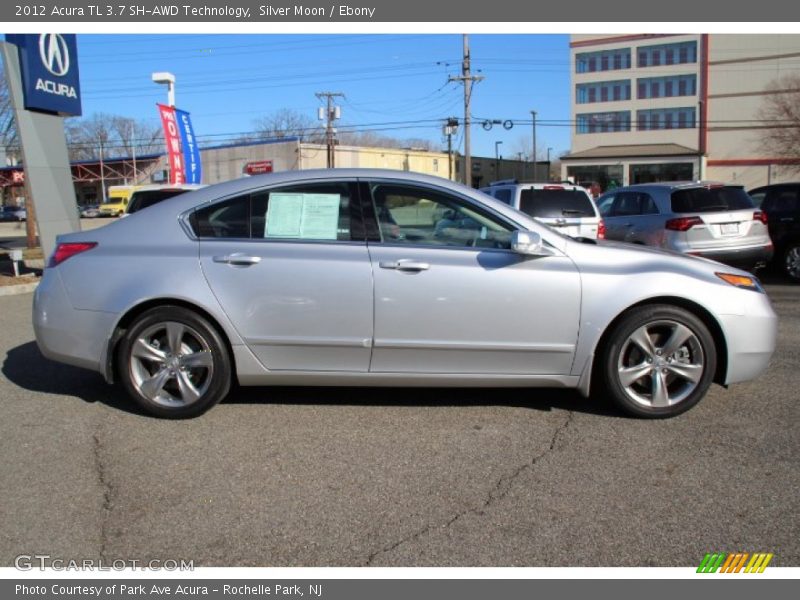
x=607, y=60
x=435, y=165
x=669, y=54
x=606, y=122
x=603, y=91
x=666, y=118
x=657, y=87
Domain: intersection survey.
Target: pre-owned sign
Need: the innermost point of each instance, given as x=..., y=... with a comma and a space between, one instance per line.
x=49, y=65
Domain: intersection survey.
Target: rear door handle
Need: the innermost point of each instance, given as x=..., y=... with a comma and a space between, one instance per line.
x=404, y=264
x=238, y=259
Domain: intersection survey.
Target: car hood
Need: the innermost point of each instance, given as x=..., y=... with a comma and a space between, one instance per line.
x=604, y=254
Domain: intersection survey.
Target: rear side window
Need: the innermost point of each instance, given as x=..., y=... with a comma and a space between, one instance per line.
x=703, y=200
x=504, y=196
x=556, y=203
x=782, y=200
x=313, y=212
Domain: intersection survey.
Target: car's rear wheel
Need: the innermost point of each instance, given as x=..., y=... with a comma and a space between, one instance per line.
x=791, y=261
x=659, y=361
x=174, y=363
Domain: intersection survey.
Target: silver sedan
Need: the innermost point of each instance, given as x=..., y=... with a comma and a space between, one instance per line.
x=384, y=278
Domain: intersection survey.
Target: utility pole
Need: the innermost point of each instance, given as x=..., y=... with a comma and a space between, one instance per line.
x=330, y=113
x=535, y=169
x=449, y=129
x=467, y=79
x=133, y=150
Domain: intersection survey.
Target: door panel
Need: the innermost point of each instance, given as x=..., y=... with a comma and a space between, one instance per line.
x=474, y=311
x=301, y=306
x=282, y=263
x=450, y=297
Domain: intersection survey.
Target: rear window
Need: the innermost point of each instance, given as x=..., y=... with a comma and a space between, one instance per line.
x=556, y=203
x=147, y=198
x=705, y=200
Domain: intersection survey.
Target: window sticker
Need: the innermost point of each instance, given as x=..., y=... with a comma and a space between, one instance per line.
x=303, y=216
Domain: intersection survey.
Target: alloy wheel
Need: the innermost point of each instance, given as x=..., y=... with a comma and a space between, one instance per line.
x=660, y=364
x=171, y=364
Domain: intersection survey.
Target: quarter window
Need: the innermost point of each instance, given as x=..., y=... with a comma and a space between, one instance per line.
x=421, y=216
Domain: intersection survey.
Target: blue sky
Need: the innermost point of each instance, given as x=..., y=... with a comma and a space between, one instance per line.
x=227, y=81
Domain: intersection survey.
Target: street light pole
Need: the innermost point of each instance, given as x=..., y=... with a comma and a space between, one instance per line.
x=163, y=77
x=497, y=160
x=549, y=170
x=535, y=169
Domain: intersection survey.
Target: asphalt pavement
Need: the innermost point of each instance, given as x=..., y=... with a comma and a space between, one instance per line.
x=395, y=477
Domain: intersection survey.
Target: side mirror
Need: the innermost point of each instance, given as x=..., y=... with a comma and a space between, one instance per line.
x=527, y=242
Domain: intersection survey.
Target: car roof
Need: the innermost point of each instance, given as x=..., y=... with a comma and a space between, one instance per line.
x=673, y=185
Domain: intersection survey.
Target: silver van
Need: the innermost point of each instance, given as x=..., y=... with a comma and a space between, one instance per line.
x=707, y=219
x=565, y=207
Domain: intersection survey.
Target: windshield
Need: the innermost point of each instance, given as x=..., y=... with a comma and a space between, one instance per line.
x=114, y=200
x=715, y=199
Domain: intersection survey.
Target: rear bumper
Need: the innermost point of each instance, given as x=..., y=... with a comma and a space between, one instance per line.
x=741, y=258
x=64, y=334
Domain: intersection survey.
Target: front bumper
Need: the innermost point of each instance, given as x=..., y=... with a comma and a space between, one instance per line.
x=751, y=338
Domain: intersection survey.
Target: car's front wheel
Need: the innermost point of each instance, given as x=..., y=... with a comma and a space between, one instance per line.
x=791, y=261
x=174, y=363
x=659, y=361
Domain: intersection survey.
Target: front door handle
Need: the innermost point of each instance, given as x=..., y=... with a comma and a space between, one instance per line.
x=404, y=264
x=238, y=259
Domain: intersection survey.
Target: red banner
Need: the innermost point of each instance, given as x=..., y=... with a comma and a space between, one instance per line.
x=172, y=137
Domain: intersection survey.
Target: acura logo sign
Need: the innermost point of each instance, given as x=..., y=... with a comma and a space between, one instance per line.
x=54, y=53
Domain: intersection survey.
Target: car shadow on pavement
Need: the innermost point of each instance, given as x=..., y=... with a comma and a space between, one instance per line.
x=27, y=368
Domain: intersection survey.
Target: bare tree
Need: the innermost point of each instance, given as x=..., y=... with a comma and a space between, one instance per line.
x=8, y=127
x=780, y=113
x=285, y=123
x=111, y=136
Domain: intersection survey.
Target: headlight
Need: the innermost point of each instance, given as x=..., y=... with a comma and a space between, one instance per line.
x=741, y=281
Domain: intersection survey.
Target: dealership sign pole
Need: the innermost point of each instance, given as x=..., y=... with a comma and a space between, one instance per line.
x=44, y=87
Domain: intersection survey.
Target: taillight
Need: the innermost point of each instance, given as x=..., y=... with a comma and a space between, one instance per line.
x=683, y=223
x=69, y=249
x=760, y=215
x=601, y=230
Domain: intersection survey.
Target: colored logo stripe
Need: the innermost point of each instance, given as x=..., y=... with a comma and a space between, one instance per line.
x=734, y=562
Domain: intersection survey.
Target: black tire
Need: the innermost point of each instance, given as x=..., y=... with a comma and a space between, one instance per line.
x=664, y=378
x=790, y=265
x=180, y=384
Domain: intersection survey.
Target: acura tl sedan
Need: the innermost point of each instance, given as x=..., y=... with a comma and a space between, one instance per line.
x=383, y=278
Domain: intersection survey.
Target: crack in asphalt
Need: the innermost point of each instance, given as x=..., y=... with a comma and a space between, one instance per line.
x=498, y=492
x=107, y=505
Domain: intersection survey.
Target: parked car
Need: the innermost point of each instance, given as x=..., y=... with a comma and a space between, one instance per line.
x=148, y=195
x=13, y=213
x=781, y=203
x=341, y=277
x=707, y=219
x=563, y=206
x=89, y=211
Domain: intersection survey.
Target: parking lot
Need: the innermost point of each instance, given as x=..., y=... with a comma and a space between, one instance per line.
x=394, y=477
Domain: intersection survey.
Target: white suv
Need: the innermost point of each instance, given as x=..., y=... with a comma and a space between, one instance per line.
x=566, y=207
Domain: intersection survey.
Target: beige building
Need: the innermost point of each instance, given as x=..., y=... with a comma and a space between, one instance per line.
x=673, y=107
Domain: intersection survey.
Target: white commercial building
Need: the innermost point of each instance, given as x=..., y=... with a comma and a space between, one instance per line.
x=675, y=107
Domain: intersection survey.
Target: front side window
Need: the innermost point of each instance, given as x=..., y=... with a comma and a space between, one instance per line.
x=421, y=216
x=313, y=212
